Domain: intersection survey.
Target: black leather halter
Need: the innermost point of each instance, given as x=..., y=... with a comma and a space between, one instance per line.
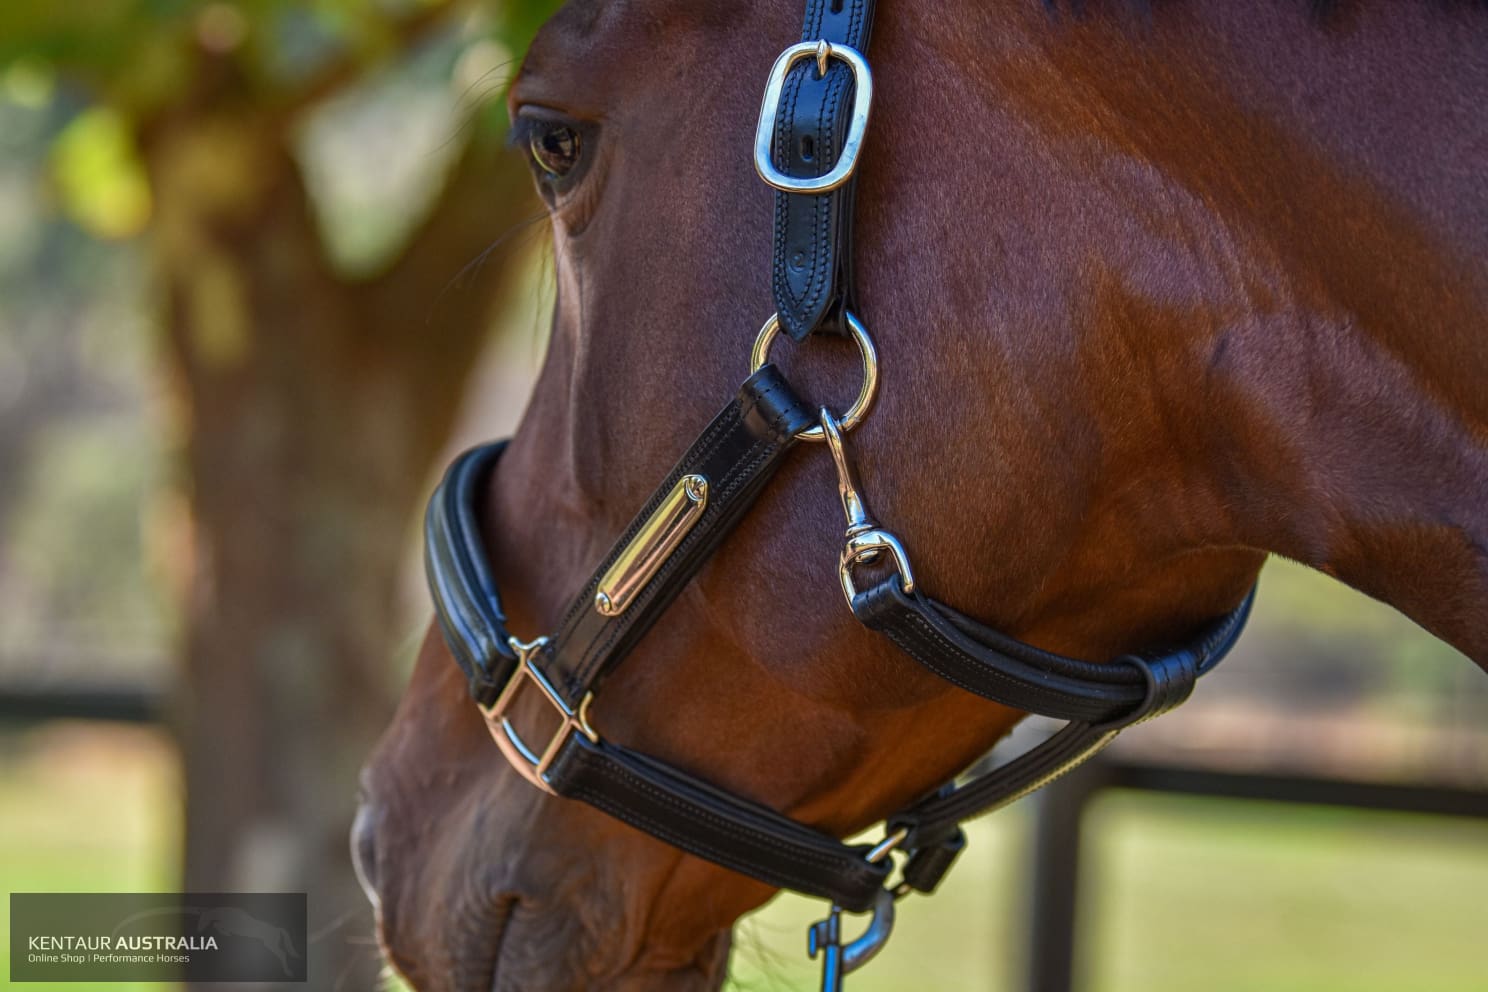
x=811, y=127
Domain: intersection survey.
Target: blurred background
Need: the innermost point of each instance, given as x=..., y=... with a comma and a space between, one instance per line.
x=263, y=267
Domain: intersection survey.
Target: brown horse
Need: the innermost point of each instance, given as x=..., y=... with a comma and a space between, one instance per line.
x=1157, y=293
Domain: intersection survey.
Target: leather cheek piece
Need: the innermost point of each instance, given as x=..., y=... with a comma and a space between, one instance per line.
x=811, y=273
x=738, y=453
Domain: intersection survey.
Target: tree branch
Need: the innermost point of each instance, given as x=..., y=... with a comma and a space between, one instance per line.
x=353, y=65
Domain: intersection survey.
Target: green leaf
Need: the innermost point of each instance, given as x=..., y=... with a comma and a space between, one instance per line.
x=98, y=175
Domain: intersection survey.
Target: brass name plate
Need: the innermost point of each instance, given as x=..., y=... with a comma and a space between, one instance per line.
x=653, y=543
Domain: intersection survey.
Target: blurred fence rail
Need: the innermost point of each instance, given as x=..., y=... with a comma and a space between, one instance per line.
x=1054, y=882
x=115, y=702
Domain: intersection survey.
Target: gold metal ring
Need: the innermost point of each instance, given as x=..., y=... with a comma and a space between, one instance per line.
x=859, y=409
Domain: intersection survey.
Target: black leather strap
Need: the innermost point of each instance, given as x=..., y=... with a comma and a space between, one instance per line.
x=691, y=814
x=991, y=664
x=456, y=567
x=738, y=453
x=1073, y=744
x=812, y=277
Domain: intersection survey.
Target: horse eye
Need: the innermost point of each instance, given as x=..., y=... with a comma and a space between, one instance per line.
x=555, y=148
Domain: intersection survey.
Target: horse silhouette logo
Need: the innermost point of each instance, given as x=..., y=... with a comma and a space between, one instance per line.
x=233, y=922
x=230, y=921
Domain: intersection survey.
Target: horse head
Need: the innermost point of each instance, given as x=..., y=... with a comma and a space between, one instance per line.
x=1153, y=296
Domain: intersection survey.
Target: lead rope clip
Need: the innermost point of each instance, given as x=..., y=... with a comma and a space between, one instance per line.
x=866, y=541
x=839, y=959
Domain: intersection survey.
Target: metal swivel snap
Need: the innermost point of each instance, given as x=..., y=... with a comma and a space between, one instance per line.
x=838, y=959
x=866, y=540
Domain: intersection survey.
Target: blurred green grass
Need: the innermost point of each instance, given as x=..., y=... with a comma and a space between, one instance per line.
x=86, y=809
x=1181, y=894
x=1236, y=897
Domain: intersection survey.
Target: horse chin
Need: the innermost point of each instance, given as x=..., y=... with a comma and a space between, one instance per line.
x=469, y=940
x=524, y=963
x=519, y=971
x=485, y=884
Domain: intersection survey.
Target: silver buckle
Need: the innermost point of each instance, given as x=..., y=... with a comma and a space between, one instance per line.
x=764, y=134
x=528, y=763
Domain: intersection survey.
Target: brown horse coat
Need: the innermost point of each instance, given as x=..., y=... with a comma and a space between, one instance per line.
x=1156, y=294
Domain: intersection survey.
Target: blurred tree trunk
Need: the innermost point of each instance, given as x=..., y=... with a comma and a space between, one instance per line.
x=314, y=406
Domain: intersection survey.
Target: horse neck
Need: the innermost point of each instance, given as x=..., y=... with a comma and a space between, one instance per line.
x=1303, y=268
x=1348, y=350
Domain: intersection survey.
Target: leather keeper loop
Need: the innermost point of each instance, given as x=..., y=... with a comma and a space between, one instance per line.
x=928, y=865
x=1170, y=681
x=917, y=834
